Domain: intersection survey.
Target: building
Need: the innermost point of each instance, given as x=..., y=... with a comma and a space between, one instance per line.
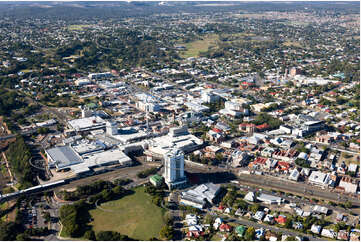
x=269, y=199
x=156, y=180
x=240, y=230
x=199, y=196
x=319, y=178
x=62, y=157
x=349, y=184
x=87, y=124
x=96, y=76
x=148, y=106
x=209, y=97
x=295, y=174
x=111, y=128
x=319, y=210
x=82, y=82
x=174, y=168
x=316, y=229
x=177, y=137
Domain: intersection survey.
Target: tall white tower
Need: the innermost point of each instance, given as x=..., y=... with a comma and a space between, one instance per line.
x=174, y=168
x=111, y=128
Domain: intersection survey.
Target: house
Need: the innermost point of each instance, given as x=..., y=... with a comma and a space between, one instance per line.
x=355, y=236
x=259, y=215
x=247, y=127
x=239, y=212
x=316, y=229
x=297, y=225
x=270, y=236
x=269, y=219
x=350, y=185
x=259, y=233
x=342, y=235
x=227, y=210
x=239, y=158
x=194, y=234
x=295, y=174
x=319, y=209
x=240, y=230
x=339, y=217
x=250, y=197
x=191, y=219
x=329, y=233
x=225, y=227
x=281, y=219
x=217, y=223
x=215, y=136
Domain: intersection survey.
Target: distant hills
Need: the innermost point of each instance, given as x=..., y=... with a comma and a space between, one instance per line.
x=128, y=9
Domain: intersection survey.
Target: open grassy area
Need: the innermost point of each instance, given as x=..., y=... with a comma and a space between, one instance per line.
x=349, y=158
x=78, y=26
x=134, y=215
x=195, y=47
x=292, y=43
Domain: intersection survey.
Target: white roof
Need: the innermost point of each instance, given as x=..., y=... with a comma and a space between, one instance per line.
x=87, y=123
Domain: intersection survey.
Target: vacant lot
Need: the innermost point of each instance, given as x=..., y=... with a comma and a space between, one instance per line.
x=134, y=215
x=195, y=47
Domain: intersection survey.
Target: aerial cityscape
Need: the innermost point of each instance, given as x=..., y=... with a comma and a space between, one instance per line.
x=180, y=120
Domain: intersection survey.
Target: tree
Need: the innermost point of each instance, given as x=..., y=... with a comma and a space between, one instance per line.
x=254, y=208
x=166, y=232
x=348, y=204
x=250, y=234
x=47, y=217
x=90, y=235
x=22, y=237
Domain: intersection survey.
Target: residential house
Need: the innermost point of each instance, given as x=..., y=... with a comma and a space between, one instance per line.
x=343, y=235
x=225, y=227
x=316, y=229
x=239, y=158
x=319, y=210
x=329, y=233
x=259, y=233
x=240, y=230
x=259, y=215
x=269, y=219
x=281, y=219
x=250, y=197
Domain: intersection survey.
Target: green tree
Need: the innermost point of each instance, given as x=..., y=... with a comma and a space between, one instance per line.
x=250, y=234
x=348, y=204
x=166, y=232
x=89, y=235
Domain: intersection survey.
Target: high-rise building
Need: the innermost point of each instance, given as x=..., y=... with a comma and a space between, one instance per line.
x=174, y=168
x=111, y=128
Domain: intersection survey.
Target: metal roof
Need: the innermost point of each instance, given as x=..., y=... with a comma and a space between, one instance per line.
x=64, y=156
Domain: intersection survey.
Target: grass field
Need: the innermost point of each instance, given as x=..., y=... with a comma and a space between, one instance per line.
x=292, y=43
x=78, y=26
x=134, y=215
x=195, y=47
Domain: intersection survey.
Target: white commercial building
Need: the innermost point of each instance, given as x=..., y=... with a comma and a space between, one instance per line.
x=199, y=196
x=178, y=137
x=174, y=168
x=87, y=124
x=319, y=178
x=148, y=106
